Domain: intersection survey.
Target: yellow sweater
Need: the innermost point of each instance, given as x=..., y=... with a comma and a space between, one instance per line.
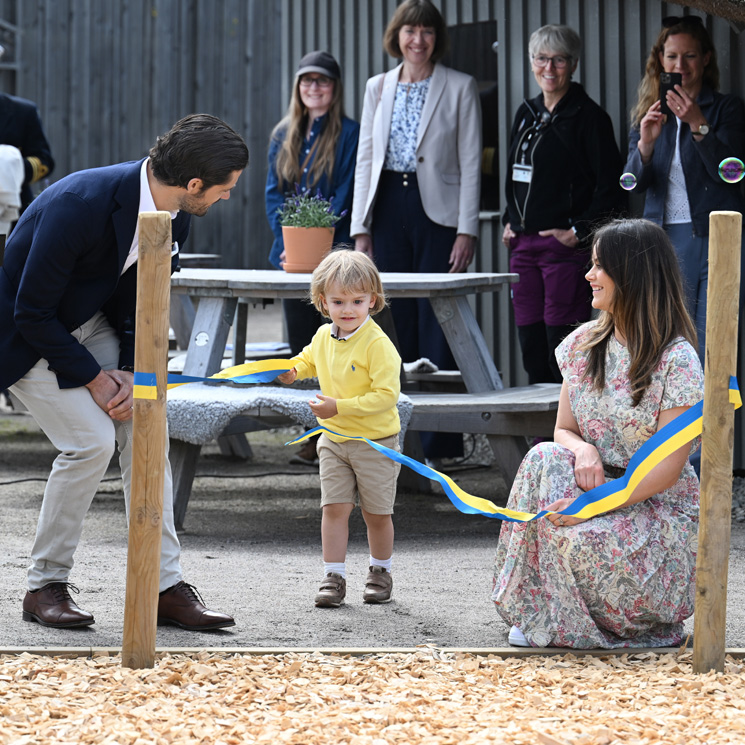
x=362, y=374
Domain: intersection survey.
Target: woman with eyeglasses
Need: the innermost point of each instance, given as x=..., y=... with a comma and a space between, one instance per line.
x=562, y=180
x=675, y=158
x=314, y=146
x=417, y=183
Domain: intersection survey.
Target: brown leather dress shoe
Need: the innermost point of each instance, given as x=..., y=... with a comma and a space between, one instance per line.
x=52, y=606
x=181, y=605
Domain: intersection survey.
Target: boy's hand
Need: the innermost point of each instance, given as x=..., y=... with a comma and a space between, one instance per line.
x=288, y=377
x=325, y=408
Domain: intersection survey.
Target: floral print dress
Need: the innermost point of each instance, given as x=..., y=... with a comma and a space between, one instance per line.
x=621, y=579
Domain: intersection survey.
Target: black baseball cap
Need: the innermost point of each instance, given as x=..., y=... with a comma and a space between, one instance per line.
x=321, y=62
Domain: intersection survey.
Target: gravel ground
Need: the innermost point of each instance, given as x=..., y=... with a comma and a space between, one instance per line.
x=738, y=499
x=252, y=547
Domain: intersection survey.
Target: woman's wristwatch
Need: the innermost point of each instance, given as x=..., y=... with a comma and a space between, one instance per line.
x=703, y=130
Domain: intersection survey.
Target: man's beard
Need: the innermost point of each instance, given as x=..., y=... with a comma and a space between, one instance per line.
x=193, y=205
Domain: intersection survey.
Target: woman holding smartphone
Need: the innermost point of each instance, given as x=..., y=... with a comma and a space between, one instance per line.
x=675, y=158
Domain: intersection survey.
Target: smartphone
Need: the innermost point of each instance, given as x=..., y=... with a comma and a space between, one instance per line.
x=668, y=81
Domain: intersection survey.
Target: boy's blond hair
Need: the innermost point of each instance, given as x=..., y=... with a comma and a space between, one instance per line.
x=353, y=271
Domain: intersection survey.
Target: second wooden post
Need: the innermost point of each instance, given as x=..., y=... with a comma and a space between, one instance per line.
x=712, y=561
x=148, y=442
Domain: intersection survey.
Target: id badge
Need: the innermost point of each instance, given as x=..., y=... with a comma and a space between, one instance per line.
x=522, y=173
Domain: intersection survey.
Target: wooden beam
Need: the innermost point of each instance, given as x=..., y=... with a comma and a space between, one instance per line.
x=71, y=652
x=148, y=442
x=725, y=236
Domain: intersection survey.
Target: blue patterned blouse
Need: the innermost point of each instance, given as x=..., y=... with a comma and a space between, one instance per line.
x=407, y=112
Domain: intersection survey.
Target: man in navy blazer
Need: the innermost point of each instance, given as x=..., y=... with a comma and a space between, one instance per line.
x=67, y=302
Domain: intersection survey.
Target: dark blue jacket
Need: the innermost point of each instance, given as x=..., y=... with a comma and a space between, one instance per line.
x=340, y=187
x=576, y=164
x=63, y=263
x=706, y=189
x=20, y=126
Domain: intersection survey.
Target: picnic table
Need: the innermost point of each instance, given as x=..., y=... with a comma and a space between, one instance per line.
x=219, y=290
x=505, y=415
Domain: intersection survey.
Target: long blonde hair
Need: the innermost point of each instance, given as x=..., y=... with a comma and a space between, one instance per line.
x=649, y=87
x=293, y=127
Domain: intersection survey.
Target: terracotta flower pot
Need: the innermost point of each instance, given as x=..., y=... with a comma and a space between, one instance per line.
x=305, y=247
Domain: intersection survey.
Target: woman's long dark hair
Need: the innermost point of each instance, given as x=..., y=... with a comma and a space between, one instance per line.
x=648, y=304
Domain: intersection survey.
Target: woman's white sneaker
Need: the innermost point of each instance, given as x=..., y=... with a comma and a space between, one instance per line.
x=517, y=638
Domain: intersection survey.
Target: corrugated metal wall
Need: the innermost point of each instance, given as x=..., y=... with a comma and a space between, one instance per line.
x=110, y=75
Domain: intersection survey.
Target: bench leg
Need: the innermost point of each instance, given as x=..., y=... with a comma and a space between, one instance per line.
x=235, y=446
x=182, y=315
x=408, y=479
x=509, y=451
x=239, y=333
x=183, y=457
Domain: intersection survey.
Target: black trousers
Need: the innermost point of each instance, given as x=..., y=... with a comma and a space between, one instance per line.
x=406, y=240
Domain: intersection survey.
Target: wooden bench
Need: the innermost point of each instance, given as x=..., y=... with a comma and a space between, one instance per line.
x=507, y=417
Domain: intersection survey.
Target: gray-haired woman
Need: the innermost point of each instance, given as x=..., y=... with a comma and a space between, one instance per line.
x=562, y=179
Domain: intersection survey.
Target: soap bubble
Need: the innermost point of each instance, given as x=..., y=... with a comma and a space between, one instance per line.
x=731, y=170
x=627, y=181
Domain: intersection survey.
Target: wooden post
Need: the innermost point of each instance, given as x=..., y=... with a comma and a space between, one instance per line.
x=148, y=442
x=725, y=231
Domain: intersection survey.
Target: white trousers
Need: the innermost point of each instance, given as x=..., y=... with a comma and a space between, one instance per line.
x=85, y=436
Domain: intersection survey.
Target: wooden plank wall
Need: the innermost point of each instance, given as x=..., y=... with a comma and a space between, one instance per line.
x=616, y=35
x=110, y=75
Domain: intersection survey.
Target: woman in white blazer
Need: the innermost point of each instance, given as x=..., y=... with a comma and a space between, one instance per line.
x=417, y=180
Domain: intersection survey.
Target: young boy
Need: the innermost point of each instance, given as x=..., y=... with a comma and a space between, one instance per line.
x=358, y=370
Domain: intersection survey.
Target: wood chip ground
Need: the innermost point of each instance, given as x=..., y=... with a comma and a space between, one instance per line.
x=431, y=697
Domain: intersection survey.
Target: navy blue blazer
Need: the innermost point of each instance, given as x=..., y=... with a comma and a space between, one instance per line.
x=63, y=263
x=20, y=126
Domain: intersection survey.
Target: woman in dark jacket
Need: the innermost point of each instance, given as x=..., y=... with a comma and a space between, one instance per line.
x=676, y=158
x=313, y=146
x=562, y=180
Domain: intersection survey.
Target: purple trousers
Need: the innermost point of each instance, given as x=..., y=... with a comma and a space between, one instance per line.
x=552, y=287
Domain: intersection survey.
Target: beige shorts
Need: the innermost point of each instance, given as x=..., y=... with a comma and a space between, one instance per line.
x=352, y=469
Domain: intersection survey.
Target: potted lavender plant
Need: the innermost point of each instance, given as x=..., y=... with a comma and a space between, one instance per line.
x=307, y=221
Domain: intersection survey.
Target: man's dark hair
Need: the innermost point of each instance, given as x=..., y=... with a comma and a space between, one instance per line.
x=198, y=146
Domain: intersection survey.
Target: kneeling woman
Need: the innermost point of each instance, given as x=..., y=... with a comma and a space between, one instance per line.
x=627, y=577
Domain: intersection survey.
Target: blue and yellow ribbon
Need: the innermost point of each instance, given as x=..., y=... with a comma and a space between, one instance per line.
x=603, y=498
x=250, y=373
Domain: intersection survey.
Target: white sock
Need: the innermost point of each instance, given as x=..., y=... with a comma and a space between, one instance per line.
x=385, y=563
x=335, y=567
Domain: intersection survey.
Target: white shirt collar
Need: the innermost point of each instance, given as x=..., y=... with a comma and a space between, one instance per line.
x=147, y=204
x=335, y=330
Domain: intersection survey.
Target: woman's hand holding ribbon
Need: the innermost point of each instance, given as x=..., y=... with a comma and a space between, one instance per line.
x=562, y=521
